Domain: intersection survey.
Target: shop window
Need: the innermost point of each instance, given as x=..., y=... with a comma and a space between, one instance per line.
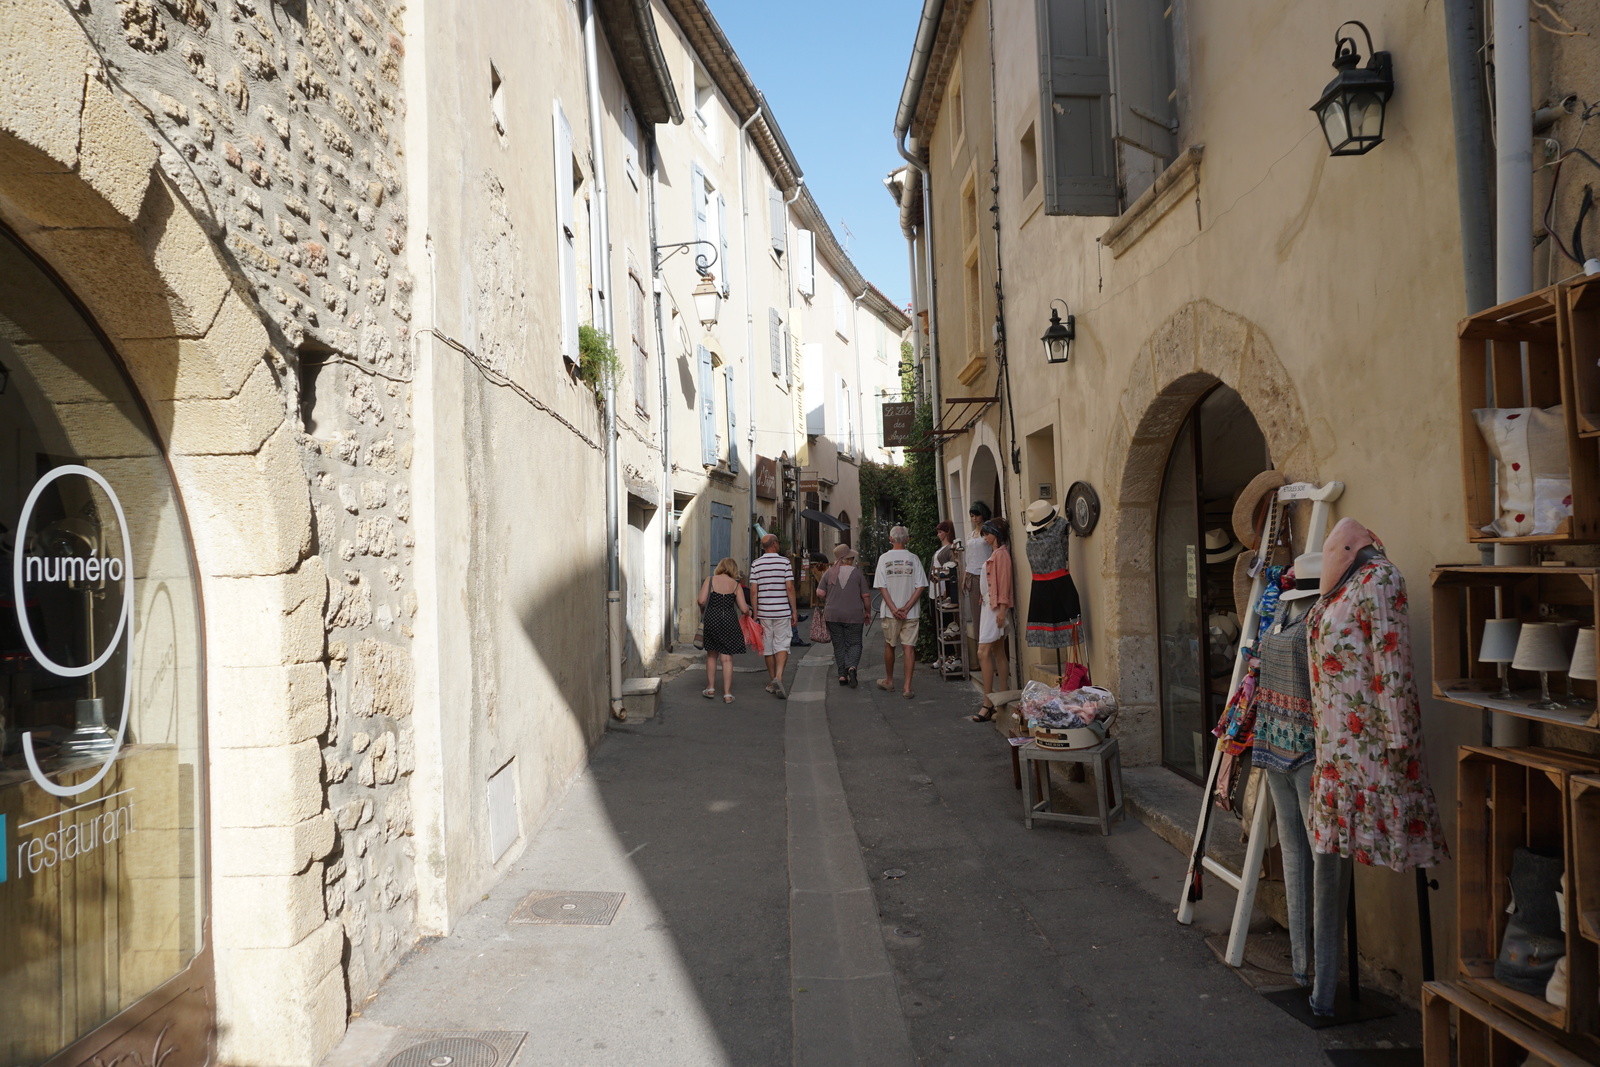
x=102, y=838
x=1215, y=454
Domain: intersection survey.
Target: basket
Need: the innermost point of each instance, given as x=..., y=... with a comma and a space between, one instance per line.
x=1063, y=739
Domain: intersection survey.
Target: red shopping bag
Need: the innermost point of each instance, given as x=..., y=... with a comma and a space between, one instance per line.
x=752, y=633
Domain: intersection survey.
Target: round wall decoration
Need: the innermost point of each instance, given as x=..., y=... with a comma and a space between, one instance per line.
x=1083, y=508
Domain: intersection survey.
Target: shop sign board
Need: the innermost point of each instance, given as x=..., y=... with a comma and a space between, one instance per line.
x=766, y=478
x=809, y=482
x=897, y=422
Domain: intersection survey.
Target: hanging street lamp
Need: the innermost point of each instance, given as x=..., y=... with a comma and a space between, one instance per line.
x=1058, y=336
x=1352, y=107
x=707, y=300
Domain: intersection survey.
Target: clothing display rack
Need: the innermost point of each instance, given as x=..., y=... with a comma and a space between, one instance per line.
x=1246, y=881
x=951, y=652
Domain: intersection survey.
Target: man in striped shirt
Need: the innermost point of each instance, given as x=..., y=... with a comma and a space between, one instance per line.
x=772, y=581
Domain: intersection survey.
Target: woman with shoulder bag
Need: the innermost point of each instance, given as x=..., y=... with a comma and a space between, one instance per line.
x=847, y=609
x=722, y=605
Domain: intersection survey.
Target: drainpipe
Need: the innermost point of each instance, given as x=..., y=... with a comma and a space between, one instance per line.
x=794, y=384
x=669, y=593
x=1463, y=23
x=1513, y=136
x=749, y=329
x=603, y=262
x=861, y=412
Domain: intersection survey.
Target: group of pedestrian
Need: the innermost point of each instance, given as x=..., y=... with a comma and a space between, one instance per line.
x=844, y=597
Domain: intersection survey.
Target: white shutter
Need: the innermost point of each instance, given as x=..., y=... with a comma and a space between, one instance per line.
x=722, y=237
x=708, y=408
x=566, y=235
x=815, y=368
x=841, y=311
x=733, y=423
x=775, y=328
x=697, y=190
x=630, y=144
x=780, y=222
x=805, y=272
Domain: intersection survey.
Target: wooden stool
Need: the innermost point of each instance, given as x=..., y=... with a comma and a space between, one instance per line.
x=1103, y=760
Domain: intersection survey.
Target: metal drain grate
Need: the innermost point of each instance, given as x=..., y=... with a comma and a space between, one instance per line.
x=558, y=908
x=455, y=1048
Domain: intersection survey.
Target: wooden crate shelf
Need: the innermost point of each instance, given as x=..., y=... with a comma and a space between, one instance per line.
x=1463, y=599
x=1582, y=342
x=1485, y=1033
x=1584, y=881
x=1493, y=343
x=1510, y=798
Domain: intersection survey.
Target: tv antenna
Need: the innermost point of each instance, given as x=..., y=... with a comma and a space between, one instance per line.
x=849, y=234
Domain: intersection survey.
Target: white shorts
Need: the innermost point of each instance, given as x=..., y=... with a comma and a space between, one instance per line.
x=775, y=635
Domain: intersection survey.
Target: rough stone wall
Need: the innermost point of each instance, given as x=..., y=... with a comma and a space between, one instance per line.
x=278, y=123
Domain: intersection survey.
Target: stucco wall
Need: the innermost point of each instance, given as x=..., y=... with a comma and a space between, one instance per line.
x=1324, y=290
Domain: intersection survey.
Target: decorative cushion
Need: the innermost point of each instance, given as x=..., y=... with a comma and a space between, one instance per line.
x=1534, y=480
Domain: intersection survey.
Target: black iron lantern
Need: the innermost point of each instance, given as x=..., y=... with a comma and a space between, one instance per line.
x=1352, y=106
x=1058, y=336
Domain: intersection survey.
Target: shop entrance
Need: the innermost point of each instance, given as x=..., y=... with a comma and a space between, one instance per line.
x=1216, y=452
x=984, y=484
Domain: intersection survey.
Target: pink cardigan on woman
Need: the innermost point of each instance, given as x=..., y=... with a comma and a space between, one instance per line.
x=998, y=570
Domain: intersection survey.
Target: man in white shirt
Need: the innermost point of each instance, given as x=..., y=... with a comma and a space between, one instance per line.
x=772, y=590
x=900, y=581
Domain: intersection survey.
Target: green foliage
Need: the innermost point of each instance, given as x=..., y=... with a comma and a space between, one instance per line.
x=907, y=495
x=598, y=362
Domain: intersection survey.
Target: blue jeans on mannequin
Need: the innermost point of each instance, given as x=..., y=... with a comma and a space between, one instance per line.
x=1315, y=884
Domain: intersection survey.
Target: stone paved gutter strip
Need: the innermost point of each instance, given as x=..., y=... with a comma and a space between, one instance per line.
x=846, y=1006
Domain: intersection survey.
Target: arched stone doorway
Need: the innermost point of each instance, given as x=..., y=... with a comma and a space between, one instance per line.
x=83, y=193
x=1199, y=347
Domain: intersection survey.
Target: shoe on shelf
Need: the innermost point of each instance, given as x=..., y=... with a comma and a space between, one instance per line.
x=947, y=605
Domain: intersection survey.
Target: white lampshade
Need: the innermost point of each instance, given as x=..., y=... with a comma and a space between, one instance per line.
x=1540, y=648
x=1569, y=633
x=1583, y=657
x=1499, y=640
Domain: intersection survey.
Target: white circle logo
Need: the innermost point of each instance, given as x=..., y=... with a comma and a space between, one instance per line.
x=111, y=570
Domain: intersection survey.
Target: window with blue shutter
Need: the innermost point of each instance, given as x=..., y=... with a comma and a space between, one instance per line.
x=1075, y=104
x=708, y=408
x=697, y=190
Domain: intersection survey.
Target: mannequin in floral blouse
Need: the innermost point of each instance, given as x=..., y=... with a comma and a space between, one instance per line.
x=1370, y=797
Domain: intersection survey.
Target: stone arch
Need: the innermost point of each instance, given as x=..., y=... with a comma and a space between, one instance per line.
x=81, y=186
x=985, y=460
x=1199, y=346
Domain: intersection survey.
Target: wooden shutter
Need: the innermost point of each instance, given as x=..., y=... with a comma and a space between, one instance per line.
x=1142, y=75
x=780, y=221
x=805, y=273
x=708, y=408
x=1075, y=105
x=775, y=329
x=722, y=235
x=697, y=190
x=566, y=235
x=733, y=423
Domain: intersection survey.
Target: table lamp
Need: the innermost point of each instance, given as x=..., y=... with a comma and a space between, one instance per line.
x=1582, y=666
x=1540, y=648
x=1500, y=647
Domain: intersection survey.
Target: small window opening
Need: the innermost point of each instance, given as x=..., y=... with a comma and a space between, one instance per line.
x=319, y=389
x=1030, y=161
x=497, y=100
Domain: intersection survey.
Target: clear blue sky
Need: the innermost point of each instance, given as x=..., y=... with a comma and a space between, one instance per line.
x=832, y=71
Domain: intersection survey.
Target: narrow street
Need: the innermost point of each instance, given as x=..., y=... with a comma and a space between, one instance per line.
x=996, y=944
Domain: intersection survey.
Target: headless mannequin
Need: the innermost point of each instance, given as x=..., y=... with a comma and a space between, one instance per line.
x=1314, y=883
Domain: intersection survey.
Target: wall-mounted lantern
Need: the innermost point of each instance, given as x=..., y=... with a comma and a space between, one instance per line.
x=707, y=300
x=1058, y=335
x=1352, y=107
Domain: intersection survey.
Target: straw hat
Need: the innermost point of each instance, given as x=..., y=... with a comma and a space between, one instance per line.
x=1241, y=583
x=1250, y=507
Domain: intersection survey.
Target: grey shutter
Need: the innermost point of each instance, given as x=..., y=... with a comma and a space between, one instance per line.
x=780, y=222
x=697, y=189
x=566, y=234
x=775, y=328
x=708, y=408
x=1142, y=71
x=788, y=357
x=1075, y=107
x=733, y=425
x=722, y=235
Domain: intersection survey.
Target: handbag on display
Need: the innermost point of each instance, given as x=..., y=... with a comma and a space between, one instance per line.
x=752, y=633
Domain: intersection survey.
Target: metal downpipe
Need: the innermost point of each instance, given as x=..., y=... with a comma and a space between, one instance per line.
x=1474, y=178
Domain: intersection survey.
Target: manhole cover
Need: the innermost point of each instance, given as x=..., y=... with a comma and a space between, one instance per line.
x=558, y=908
x=447, y=1052
x=894, y=872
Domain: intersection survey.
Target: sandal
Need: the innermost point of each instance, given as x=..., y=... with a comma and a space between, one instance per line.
x=850, y=677
x=843, y=680
x=885, y=684
x=727, y=698
x=708, y=693
x=985, y=713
